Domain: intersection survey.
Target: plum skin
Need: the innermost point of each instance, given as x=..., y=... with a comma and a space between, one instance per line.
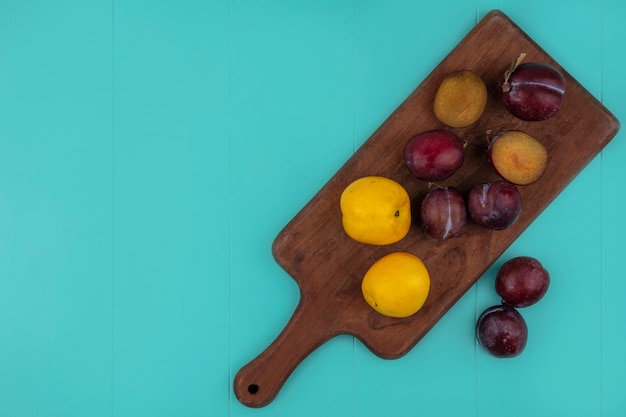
x=522, y=281
x=443, y=213
x=502, y=331
x=534, y=91
x=495, y=205
x=434, y=155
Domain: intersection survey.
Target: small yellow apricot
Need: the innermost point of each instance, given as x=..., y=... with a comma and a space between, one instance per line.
x=375, y=210
x=461, y=99
x=396, y=285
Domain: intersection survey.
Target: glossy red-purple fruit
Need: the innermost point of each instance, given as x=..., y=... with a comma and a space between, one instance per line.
x=522, y=281
x=434, y=155
x=533, y=91
x=501, y=331
x=494, y=205
x=443, y=212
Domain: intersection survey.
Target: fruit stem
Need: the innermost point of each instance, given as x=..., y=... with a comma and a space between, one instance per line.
x=488, y=136
x=506, y=87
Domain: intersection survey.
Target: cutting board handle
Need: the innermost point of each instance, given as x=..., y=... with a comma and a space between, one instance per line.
x=258, y=383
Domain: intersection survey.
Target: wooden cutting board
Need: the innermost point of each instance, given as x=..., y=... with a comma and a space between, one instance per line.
x=328, y=266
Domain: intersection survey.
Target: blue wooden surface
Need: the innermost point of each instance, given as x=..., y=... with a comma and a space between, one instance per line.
x=151, y=150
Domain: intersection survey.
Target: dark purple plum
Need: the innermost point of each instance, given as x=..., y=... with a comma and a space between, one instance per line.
x=443, y=212
x=434, y=155
x=501, y=331
x=494, y=205
x=533, y=91
x=522, y=281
